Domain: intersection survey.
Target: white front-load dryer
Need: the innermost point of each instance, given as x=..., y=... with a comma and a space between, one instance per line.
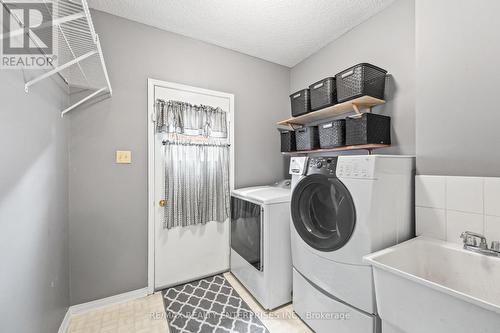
x=344, y=208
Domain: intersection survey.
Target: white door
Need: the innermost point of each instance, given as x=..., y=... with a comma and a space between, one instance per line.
x=184, y=253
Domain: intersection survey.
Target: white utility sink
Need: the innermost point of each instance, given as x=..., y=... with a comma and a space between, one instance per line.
x=431, y=286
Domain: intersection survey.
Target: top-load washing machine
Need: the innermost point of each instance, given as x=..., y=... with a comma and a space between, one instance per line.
x=260, y=243
x=343, y=208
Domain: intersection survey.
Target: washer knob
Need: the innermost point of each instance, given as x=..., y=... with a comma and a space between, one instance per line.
x=319, y=164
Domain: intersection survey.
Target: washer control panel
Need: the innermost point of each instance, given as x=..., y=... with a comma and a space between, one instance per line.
x=322, y=165
x=356, y=167
x=298, y=165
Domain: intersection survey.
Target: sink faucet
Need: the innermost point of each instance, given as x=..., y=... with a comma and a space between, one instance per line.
x=470, y=243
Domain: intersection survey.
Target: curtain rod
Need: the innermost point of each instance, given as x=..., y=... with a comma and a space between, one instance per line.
x=164, y=142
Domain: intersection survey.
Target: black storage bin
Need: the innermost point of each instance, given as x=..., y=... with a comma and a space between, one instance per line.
x=360, y=80
x=332, y=134
x=287, y=141
x=301, y=102
x=323, y=93
x=369, y=128
x=307, y=138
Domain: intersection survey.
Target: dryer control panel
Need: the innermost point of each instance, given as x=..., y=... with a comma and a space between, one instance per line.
x=356, y=167
x=322, y=165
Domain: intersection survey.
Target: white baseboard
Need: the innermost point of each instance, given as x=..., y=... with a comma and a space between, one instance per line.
x=64, y=324
x=116, y=299
x=99, y=303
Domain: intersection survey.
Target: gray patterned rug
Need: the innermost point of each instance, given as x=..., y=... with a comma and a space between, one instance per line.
x=209, y=305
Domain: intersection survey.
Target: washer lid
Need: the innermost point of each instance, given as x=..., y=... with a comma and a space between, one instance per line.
x=264, y=194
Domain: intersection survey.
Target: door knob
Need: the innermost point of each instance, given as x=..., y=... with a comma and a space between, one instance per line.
x=162, y=203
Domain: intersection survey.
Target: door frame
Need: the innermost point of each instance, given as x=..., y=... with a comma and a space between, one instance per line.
x=151, y=112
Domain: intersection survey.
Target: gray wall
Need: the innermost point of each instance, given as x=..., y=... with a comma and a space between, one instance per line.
x=108, y=202
x=34, y=282
x=386, y=40
x=458, y=47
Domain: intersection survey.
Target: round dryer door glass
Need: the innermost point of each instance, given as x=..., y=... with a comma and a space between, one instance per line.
x=323, y=212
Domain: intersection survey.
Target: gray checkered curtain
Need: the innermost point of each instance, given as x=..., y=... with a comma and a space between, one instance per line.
x=196, y=161
x=196, y=183
x=187, y=119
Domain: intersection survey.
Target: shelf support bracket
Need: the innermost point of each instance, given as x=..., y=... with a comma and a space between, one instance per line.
x=103, y=63
x=356, y=109
x=293, y=127
x=58, y=69
x=83, y=100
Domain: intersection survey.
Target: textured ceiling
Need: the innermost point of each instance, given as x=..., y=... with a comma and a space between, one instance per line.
x=282, y=31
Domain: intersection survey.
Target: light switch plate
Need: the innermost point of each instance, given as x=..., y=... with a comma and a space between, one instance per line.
x=123, y=156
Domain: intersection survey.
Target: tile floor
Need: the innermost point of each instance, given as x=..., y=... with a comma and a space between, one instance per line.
x=143, y=315
x=146, y=315
x=281, y=320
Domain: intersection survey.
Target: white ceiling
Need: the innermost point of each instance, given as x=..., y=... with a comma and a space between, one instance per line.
x=282, y=31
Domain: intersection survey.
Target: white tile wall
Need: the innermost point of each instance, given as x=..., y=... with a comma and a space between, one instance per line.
x=465, y=194
x=492, y=196
x=458, y=222
x=446, y=206
x=492, y=228
x=430, y=191
x=432, y=222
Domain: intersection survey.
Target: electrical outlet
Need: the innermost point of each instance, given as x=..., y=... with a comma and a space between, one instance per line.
x=123, y=156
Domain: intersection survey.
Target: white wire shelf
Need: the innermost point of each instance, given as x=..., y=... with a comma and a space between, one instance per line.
x=80, y=59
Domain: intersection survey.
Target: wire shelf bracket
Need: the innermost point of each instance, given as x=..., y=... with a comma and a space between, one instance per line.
x=80, y=58
x=58, y=69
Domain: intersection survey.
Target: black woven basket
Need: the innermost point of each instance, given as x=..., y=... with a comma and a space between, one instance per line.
x=307, y=138
x=301, y=102
x=332, y=134
x=287, y=141
x=369, y=128
x=323, y=93
x=360, y=80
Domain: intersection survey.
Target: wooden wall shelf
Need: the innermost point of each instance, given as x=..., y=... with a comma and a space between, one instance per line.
x=368, y=147
x=357, y=104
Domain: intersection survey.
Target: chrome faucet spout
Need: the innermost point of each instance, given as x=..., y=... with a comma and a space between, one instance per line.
x=470, y=243
x=470, y=239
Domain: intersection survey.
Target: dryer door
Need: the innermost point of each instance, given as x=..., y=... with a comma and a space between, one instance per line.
x=323, y=212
